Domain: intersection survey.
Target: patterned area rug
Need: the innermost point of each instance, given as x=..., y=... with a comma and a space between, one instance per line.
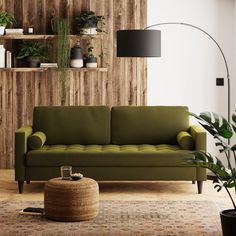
x=163, y=218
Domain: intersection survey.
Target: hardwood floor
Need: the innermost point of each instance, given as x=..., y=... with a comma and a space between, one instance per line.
x=161, y=190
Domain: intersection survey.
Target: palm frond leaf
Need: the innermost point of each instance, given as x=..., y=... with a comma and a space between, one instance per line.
x=220, y=124
x=206, y=160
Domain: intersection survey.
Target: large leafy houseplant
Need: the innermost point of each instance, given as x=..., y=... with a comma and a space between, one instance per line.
x=6, y=19
x=225, y=172
x=34, y=52
x=89, y=20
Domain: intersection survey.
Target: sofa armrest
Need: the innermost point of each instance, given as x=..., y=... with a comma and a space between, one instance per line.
x=199, y=135
x=21, y=136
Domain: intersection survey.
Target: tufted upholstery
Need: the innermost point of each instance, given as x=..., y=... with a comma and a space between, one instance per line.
x=107, y=155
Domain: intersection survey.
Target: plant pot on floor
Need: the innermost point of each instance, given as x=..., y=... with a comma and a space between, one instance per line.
x=228, y=222
x=34, y=62
x=91, y=62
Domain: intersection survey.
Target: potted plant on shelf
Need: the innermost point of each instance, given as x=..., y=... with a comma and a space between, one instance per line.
x=225, y=174
x=34, y=52
x=91, y=60
x=5, y=19
x=89, y=23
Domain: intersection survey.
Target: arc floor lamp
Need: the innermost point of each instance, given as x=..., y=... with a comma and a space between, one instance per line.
x=147, y=43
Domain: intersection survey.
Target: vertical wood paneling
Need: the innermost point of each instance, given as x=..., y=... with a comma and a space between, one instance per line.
x=124, y=83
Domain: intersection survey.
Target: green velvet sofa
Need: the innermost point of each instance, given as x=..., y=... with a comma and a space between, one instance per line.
x=118, y=143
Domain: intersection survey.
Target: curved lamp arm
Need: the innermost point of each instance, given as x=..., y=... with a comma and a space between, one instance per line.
x=217, y=44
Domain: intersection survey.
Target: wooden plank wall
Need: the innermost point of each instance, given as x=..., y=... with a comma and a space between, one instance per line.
x=123, y=84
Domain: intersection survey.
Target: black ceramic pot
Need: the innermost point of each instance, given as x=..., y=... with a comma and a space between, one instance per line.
x=91, y=62
x=76, y=57
x=34, y=62
x=228, y=222
x=76, y=52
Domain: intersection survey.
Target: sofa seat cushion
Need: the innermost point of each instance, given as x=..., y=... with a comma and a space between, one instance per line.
x=108, y=155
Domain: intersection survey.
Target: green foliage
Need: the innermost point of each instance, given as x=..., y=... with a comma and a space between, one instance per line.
x=90, y=51
x=88, y=19
x=32, y=49
x=221, y=130
x=63, y=57
x=6, y=19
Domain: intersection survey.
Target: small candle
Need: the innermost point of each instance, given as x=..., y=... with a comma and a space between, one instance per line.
x=30, y=30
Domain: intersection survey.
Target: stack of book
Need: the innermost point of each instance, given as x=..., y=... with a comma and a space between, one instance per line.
x=49, y=64
x=14, y=31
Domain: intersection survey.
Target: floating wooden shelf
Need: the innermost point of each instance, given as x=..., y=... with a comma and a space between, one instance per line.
x=38, y=69
x=47, y=36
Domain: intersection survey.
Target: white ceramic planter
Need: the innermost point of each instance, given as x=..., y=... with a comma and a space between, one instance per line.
x=91, y=64
x=2, y=30
x=89, y=31
x=76, y=63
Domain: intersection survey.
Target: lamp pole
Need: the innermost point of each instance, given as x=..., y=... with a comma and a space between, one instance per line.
x=218, y=46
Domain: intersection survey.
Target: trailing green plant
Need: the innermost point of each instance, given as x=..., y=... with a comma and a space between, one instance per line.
x=222, y=131
x=33, y=50
x=6, y=19
x=63, y=57
x=88, y=19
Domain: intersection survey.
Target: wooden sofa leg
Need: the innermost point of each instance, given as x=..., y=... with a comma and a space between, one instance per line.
x=199, y=186
x=28, y=181
x=193, y=182
x=20, y=186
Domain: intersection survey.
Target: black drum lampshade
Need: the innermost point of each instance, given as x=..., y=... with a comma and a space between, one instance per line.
x=138, y=43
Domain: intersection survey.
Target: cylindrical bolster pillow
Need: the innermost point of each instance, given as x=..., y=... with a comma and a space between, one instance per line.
x=185, y=140
x=36, y=140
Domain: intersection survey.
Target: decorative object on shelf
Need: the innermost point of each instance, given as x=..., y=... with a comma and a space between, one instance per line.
x=30, y=30
x=91, y=60
x=2, y=56
x=8, y=59
x=48, y=65
x=76, y=56
x=76, y=176
x=66, y=172
x=35, y=52
x=225, y=174
x=63, y=57
x=18, y=31
x=5, y=19
x=89, y=23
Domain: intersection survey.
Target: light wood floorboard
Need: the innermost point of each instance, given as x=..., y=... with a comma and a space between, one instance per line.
x=152, y=190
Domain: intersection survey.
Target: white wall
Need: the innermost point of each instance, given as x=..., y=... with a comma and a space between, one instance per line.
x=186, y=72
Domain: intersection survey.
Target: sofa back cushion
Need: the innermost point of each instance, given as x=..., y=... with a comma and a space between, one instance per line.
x=73, y=124
x=148, y=125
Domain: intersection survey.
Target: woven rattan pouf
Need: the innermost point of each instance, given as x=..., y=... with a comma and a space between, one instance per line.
x=68, y=200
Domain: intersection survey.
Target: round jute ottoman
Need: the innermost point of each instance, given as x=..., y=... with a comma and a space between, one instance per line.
x=68, y=200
